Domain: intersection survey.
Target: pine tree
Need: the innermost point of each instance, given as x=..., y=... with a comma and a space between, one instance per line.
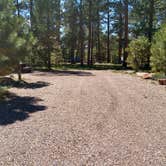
x=15, y=39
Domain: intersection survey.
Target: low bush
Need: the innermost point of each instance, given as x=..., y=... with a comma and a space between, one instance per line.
x=139, y=52
x=3, y=93
x=158, y=50
x=158, y=76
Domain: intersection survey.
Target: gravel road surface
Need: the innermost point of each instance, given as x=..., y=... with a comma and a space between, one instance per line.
x=84, y=118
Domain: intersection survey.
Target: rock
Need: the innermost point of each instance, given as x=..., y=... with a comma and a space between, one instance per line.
x=144, y=75
x=130, y=71
x=140, y=74
x=162, y=81
x=147, y=76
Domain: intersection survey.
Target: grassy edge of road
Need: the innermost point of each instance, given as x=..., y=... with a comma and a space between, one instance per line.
x=117, y=68
x=76, y=66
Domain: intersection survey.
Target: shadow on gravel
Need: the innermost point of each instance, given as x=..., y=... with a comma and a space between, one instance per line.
x=63, y=73
x=16, y=108
x=17, y=84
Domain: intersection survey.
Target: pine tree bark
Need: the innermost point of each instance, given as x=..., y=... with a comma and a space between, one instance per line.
x=92, y=45
x=18, y=8
x=120, y=37
x=98, y=37
x=108, y=34
x=19, y=72
x=90, y=32
x=31, y=13
x=150, y=29
x=126, y=33
x=19, y=65
x=72, y=56
x=48, y=44
x=58, y=20
x=151, y=17
x=81, y=34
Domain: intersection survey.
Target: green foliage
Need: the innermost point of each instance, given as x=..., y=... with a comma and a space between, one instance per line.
x=139, y=51
x=47, y=48
x=48, y=32
x=3, y=93
x=158, y=76
x=15, y=39
x=158, y=50
x=46, y=28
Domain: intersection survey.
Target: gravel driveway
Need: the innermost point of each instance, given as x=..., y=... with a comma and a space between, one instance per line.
x=78, y=118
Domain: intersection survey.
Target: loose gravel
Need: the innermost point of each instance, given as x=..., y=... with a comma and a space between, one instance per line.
x=78, y=118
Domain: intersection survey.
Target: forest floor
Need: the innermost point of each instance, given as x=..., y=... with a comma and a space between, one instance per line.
x=81, y=118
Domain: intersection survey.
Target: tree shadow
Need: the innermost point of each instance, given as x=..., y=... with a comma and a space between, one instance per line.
x=6, y=81
x=63, y=73
x=16, y=108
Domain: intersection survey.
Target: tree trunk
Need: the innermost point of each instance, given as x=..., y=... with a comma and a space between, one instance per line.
x=82, y=53
x=19, y=72
x=18, y=8
x=48, y=40
x=126, y=34
x=72, y=55
x=48, y=54
x=92, y=45
x=90, y=32
x=31, y=13
x=81, y=35
x=120, y=37
x=98, y=38
x=151, y=17
x=150, y=29
x=58, y=20
x=19, y=66
x=49, y=61
x=108, y=34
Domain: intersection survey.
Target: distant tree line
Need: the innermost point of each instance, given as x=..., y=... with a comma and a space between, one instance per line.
x=50, y=32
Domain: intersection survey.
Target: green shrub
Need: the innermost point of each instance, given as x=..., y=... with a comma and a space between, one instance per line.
x=158, y=50
x=139, y=51
x=3, y=93
x=158, y=76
